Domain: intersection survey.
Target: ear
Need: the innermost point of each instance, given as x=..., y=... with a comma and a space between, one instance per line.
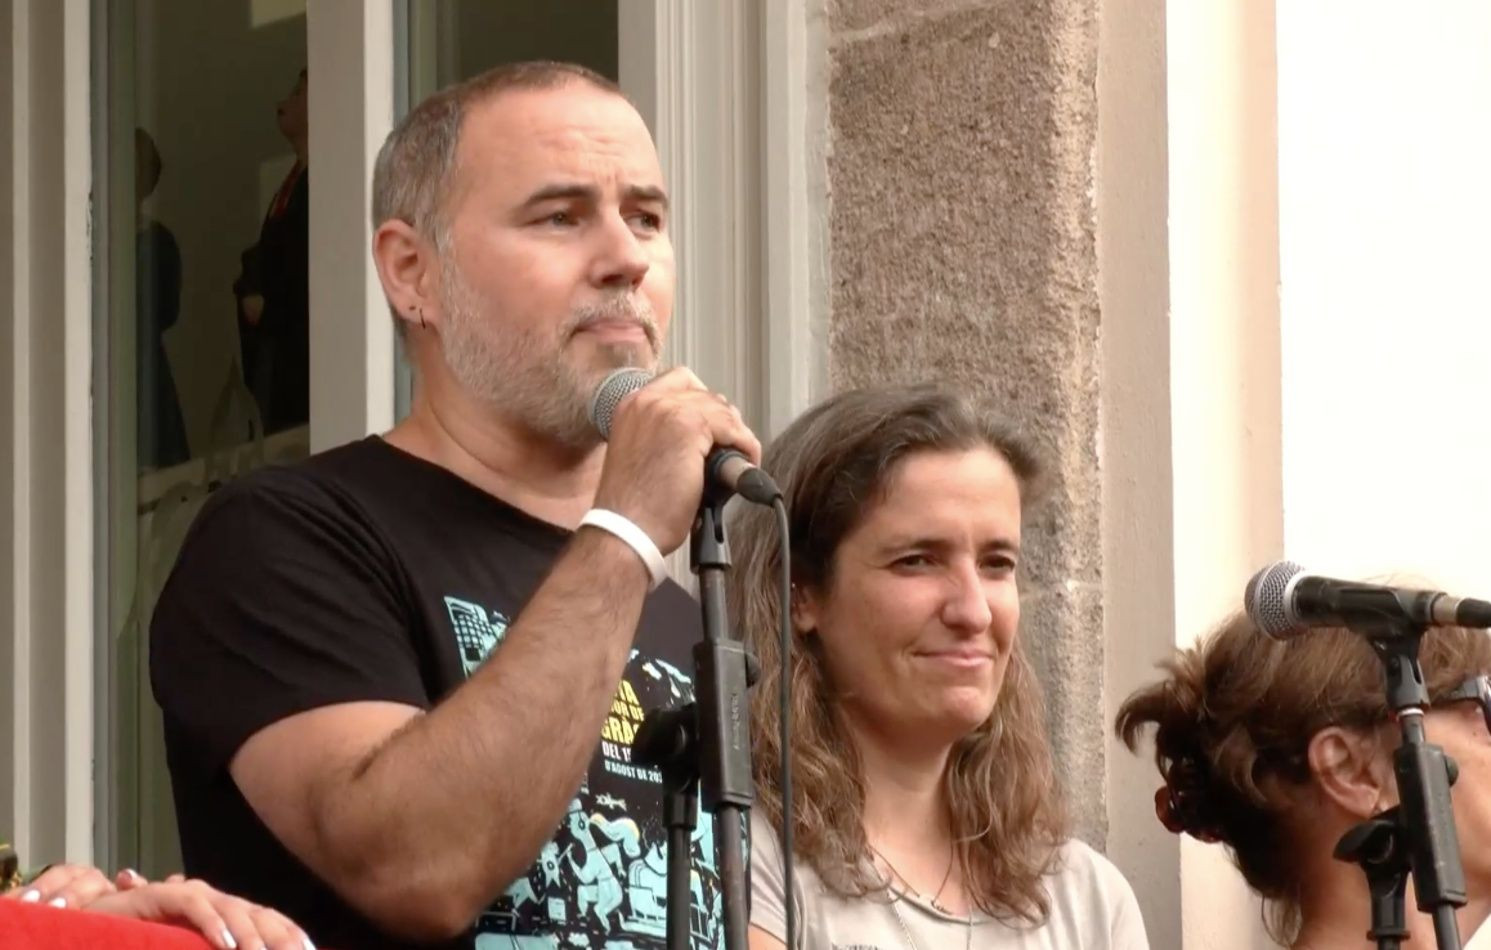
x=409, y=272
x=1352, y=771
x=806, y=609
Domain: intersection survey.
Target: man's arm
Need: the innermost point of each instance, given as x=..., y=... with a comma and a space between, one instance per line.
x=377, y=799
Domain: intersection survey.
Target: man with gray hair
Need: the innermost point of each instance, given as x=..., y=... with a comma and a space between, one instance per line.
x=401, y=680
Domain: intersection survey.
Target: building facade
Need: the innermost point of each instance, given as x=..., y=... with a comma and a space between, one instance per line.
x=1204, y=253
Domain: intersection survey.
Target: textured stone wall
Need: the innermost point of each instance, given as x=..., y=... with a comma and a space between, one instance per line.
x=961, y=248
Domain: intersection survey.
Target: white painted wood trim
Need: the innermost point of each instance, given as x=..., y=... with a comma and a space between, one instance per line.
x=47, y=645
x=795, y=197
x=350, y=44
x=75, y=585
x=15, y=586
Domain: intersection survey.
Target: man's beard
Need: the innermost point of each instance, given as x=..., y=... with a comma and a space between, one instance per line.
x=524, y=375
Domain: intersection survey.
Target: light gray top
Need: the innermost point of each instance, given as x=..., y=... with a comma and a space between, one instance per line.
x=1092, y=908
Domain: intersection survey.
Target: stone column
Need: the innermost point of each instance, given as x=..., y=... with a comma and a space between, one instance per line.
x=962, y=248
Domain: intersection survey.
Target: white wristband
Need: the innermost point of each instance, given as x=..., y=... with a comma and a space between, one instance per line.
x=635, y=538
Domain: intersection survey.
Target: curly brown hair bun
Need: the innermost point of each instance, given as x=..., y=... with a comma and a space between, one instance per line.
x=1233, y=717
x=1181, y=803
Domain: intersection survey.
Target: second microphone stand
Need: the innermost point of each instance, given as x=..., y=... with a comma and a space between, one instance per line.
x=1419, y=835
x=703, y=749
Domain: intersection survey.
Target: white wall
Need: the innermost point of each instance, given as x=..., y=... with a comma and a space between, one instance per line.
x=1384, y=201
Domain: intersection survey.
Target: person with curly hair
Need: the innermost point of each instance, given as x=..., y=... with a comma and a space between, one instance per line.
x=924, y=806
x=1275, y=749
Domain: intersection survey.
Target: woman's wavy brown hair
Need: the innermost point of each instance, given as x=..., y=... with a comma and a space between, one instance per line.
x=834, y=464
x=1234, y=715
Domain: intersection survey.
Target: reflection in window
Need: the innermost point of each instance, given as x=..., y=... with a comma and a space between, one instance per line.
x=206, y=331
x=273, y=287
x=160, y=435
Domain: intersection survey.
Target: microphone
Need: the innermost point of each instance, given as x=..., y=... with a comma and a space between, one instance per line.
x=1282, y=600
x=725, y=468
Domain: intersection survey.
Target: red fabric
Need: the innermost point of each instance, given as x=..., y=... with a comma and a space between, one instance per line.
x=38, y=927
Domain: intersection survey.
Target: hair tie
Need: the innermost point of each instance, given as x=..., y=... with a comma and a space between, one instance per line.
x=1179, y=806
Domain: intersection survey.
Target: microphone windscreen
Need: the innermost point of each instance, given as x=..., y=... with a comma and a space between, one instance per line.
x=1266, y=598
x=608, y=395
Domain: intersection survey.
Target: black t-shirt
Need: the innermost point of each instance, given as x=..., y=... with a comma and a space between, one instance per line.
x=365, y=573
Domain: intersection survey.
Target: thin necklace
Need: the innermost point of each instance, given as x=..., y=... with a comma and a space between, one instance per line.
x=895, y=907
x=946, y=875
x=911, y=941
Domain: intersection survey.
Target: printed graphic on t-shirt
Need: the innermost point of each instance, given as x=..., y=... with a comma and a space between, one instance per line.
x=602, y=881
x=476, y=635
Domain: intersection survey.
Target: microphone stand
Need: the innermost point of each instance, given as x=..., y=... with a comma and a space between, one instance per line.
x=1378, y=846
x=704, y=748
x=1419, y=835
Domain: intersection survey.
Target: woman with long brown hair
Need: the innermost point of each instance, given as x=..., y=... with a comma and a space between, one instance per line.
x=1276, y=749
x=924, y=805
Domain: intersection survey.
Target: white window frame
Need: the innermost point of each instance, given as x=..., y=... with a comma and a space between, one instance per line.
x=47, y=670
